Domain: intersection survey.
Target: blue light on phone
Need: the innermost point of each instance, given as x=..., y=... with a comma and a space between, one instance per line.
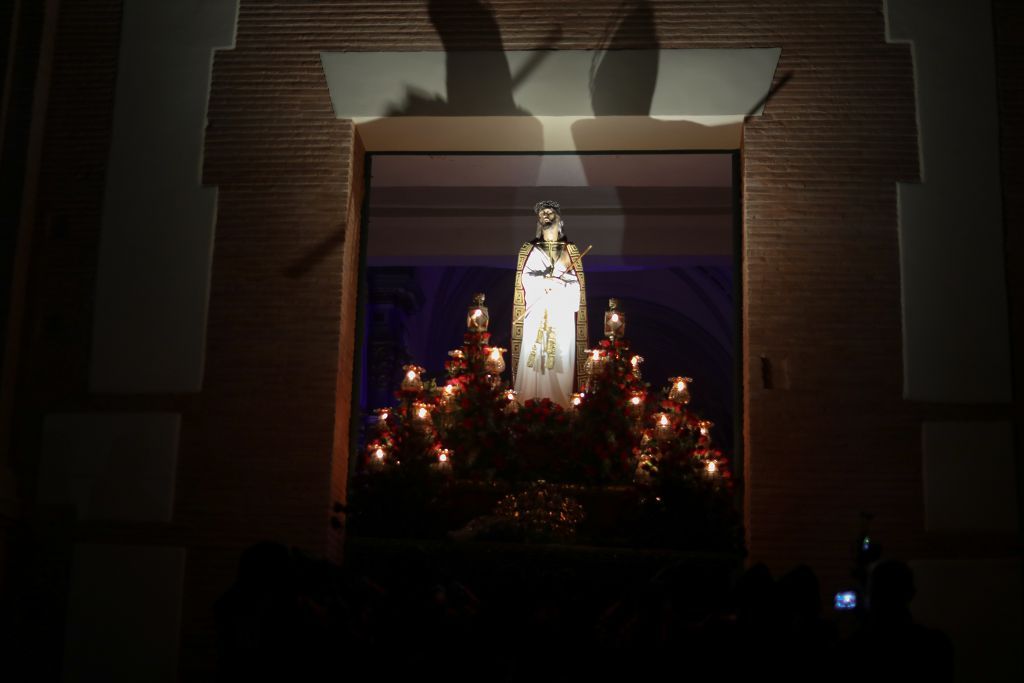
x=846, y=600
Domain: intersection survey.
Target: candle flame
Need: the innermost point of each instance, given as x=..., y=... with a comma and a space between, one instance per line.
x=442, y=457
x=680, y=385
x=422, y=413
x=411, y=375
x=712, y=467
x=477, y=313
x=635, y=400
x=379, y=454
x=663, y=421
x=615, y=317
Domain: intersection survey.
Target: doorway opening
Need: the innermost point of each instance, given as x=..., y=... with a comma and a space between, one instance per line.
x=666, y=235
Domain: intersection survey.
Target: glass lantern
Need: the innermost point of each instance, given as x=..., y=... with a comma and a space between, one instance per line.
x=477, y=317
x=411, y=380
x=614, y=321
x=635, y=404
x=421, y=415
x=448, y=394
x=378, y=454
x=705, y=431
x=662, y=426
x=593, y=366
x=494, y=363
x=576, y=400
x=456, y=361
x=635, y=362
x=680, y=390
x=443, y=463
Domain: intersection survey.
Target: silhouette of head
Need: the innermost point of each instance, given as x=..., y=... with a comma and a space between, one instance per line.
x=800, y=592
x=890, y=586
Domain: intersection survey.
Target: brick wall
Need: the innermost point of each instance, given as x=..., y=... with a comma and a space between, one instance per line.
x=263, y=446
x=821, y=281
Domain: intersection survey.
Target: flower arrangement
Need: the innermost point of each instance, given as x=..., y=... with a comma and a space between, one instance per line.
x=617, y=432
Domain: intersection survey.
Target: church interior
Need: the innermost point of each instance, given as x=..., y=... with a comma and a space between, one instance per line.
x=263, y=413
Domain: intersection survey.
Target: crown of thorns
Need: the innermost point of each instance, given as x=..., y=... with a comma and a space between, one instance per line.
x=547, y=204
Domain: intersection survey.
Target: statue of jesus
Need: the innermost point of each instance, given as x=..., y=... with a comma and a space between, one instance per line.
x=549, y=313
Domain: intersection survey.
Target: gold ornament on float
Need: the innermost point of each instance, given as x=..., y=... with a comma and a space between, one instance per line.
x=542, y=511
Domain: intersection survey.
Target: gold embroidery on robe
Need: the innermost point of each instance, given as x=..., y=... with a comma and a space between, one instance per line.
x=519, y=311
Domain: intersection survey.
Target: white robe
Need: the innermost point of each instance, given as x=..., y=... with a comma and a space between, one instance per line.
x=558, y=299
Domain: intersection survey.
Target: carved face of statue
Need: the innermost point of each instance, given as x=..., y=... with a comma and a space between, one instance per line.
x=547, y=218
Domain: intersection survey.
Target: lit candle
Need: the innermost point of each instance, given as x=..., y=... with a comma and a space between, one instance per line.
x=711, y=468
x=378, y=455
x=444, y=460
x=456, y=361
x=635, y=362
x=448, y=396
x=705, y=431
x=512, y=405
x=680, y=390
x=411, y=380
x=421, y=415
x=636, y=404
x=662, y=425
x=576, y=400
x=495, y=362
x=614, y=320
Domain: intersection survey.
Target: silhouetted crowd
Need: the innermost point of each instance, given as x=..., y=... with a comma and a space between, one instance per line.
x=289, y=617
